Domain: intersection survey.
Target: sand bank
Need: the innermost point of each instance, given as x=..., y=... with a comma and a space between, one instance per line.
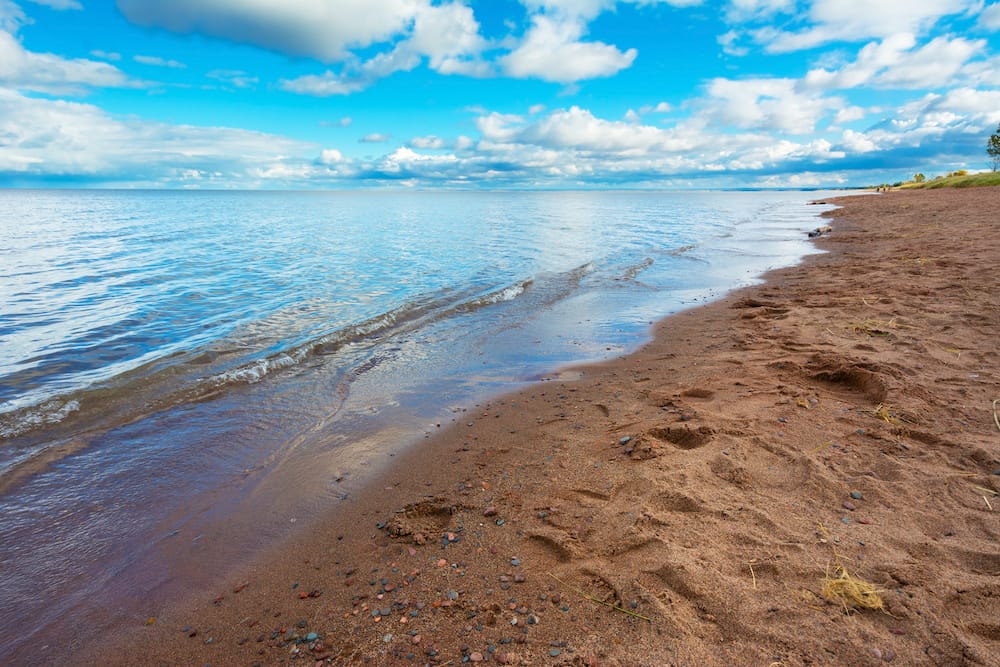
x=682, y=505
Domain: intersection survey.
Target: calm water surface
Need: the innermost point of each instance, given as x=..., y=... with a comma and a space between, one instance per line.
x=171, y=363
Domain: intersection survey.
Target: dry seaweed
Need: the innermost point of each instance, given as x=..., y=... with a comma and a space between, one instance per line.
x=850, y=591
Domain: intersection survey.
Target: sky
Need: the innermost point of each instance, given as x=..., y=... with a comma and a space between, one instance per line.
x=494, y=94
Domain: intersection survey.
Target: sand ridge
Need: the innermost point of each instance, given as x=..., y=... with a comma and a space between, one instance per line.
x=682, y=505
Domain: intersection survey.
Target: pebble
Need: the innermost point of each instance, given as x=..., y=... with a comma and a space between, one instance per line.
x=515, y=562
x=888, y=655
x=452, y=595
x=856, y=495
x=845, y=519
x=848, y=505
x=490, y=511
x=624, y=441
x=312, y=636
x=554, y=652
x=476, y=656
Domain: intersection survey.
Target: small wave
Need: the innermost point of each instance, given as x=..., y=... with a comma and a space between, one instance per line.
x=255, y=371
x=506, y=294
x=19, y=422
x=404, y=318
x=677, y=252
x=631, y=272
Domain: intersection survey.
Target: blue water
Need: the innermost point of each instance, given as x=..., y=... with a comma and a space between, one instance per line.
x=169, y=360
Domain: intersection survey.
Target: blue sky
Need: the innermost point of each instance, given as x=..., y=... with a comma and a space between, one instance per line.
x=494, y=93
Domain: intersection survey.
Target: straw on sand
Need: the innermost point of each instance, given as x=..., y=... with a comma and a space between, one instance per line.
x=850, y=591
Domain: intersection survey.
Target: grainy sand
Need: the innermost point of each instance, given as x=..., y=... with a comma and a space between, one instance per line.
x=682, y=505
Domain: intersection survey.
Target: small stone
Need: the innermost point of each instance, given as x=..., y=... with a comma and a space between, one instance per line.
x=312, y=636
x=476, y=656
x=416, y=639
x=624, y=441
x=519, y=578
x=554, y=652
x=848, y=505
x=856, y=495
x=490, y=511
x=845, y=519
x=876, y=653
x=888, y=655
x=452, y=595
x=515, y=562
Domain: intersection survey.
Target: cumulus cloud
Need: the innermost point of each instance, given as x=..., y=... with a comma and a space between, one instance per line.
x=48, y=73
x=854, y=20
x=776, y=104
x=427, y=143
x=322, y=29
x=990, y=18
x=552, y=51
x=53, y=137
x=895, y=63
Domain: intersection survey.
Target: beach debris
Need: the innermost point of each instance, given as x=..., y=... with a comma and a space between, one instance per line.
x=850, y=591
x=819, y=231
x=886, y=414
x=586, y=596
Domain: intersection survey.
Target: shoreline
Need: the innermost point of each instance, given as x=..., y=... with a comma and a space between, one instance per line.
x=682, y=484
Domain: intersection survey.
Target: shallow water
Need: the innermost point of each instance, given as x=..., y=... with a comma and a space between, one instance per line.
x=184, y=375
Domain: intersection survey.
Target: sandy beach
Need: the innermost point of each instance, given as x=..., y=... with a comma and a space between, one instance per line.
x=695, y=503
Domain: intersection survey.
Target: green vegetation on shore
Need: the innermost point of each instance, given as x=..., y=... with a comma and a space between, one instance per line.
x=958, y=179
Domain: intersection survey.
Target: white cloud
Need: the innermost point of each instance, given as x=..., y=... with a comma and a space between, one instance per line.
x=11, y=17
x=106, y=55
x=322, y=29
x=331, y=156
x=374, y=138
x=49, y=73
x=747, y=10
x=233, y=77
x=990, y=18
x=552, y=51
x=857, y=142
x=59, y=4
x=855, y=20
x=894, y=63
x=850, y=114
x=156, y=61
x=767, y=104
x=660, y=107
x=49, y=137
x=427, y=143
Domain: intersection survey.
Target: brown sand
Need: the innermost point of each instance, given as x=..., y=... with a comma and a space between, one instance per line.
x=531, y=525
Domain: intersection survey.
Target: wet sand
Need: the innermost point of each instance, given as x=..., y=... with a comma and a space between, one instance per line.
x=682, y=505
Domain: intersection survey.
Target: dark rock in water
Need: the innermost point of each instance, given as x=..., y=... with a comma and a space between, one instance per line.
x=819, y=231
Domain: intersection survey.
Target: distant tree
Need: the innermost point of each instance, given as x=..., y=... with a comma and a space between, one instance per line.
x=993, y=149
x=919, y=178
